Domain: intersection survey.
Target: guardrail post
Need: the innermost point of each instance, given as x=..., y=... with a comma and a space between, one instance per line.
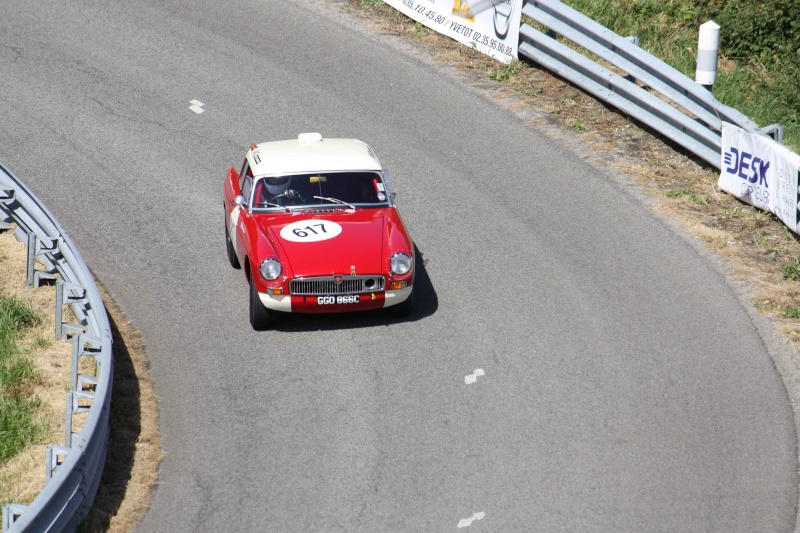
x=6, y=197
x=65, y=295
x=12, y=511
x=68, y=422
x=36, y=246
x=52, y=461
x=775, y=131
x=83, y=344
x=634, y=40
x=74, y=408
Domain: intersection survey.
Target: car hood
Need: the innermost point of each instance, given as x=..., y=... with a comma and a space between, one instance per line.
x=330, y=243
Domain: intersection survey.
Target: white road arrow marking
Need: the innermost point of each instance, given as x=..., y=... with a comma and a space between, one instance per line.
x=472, y=378
x=466, y=522
x=197, y=106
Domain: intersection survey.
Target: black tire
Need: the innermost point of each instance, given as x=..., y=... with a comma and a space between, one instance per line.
x=260, y=316
x=231, y=252
x=403, y=309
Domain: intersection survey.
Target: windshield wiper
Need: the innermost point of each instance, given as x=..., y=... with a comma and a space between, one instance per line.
x=336, y=201
x=270, y=204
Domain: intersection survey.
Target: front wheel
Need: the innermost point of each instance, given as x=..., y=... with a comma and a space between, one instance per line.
x=260, y=316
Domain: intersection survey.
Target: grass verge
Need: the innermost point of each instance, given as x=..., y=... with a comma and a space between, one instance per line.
x=19, y=405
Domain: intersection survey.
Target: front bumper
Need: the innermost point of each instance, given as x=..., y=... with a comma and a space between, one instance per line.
x=328, y=304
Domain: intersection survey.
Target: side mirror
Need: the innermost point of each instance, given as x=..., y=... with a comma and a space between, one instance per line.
x=239, y=201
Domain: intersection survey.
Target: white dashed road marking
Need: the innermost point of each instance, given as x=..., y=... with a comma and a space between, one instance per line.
x=466, y=522
x=197, y=106
x=472, y=378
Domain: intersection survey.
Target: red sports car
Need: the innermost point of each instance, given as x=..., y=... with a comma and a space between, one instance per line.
x=313, y=223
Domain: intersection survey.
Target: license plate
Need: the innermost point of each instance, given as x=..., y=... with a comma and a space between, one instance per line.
x=331, y=300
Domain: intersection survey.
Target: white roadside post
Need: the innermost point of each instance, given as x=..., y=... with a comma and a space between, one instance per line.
x=707, y=53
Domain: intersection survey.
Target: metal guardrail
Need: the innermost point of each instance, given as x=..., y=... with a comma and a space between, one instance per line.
x=685, y=112
x=72, y=471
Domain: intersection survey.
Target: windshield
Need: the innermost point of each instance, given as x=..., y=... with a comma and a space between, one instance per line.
x=330, y=189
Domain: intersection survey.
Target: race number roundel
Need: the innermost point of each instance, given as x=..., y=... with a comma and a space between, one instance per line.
x=310, y=230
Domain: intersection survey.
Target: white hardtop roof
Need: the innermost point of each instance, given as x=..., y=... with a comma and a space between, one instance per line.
x=311, y=153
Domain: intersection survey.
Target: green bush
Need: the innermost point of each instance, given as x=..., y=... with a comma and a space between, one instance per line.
x=768, y=29
x=762, y=37
x=18, y=423
x=766, y=35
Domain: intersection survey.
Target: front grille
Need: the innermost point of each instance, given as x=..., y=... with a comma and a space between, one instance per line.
x=320, y=286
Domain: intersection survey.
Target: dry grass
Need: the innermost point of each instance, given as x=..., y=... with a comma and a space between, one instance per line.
x=135, y=444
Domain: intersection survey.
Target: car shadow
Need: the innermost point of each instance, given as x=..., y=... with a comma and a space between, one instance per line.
x=426, y=304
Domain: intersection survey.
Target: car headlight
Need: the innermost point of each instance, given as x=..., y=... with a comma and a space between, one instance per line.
x=401, y=263
x=270, y=269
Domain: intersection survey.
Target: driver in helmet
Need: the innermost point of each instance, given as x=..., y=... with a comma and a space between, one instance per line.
x=280, y=192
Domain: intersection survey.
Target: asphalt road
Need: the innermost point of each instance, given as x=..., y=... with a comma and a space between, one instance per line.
x=624, y=386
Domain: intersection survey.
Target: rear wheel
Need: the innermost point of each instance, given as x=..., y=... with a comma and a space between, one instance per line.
x=260, y=316
x=231, y=251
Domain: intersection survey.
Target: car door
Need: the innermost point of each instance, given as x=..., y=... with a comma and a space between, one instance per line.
x=237, y=228
x=232, y=190
x=237, y=184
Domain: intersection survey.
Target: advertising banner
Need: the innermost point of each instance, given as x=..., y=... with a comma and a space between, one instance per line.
x=489, y=26
x=761, y=172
